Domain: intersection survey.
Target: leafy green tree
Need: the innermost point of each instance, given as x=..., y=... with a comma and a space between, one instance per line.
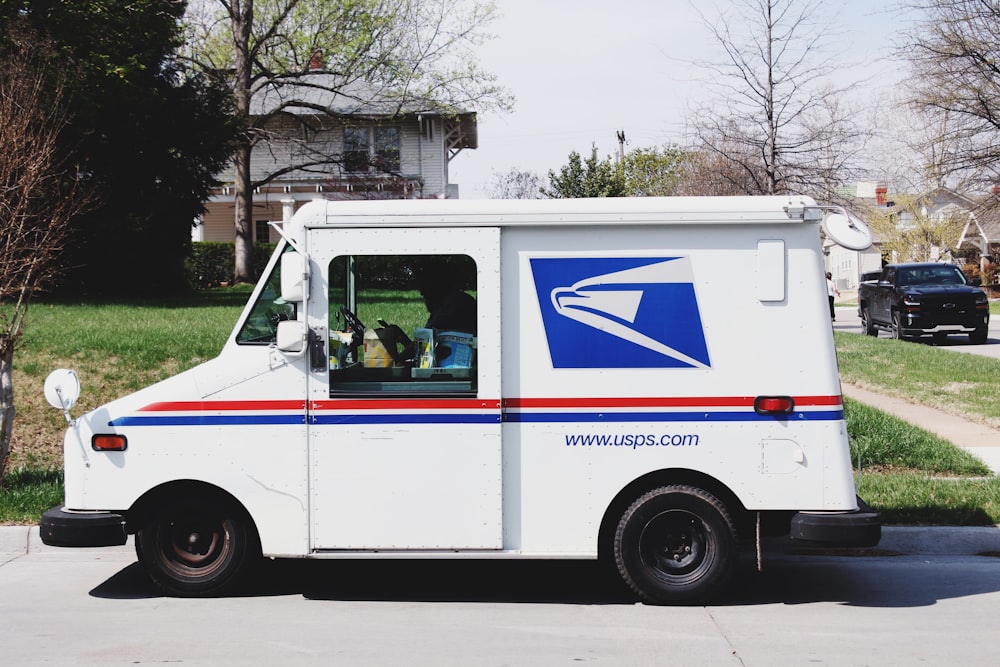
x=654, y=172
x=586, y=178
x=148, y=134
x=909, y=234
x=397, y=56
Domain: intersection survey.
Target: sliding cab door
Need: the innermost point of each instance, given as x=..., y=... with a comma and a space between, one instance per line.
x=405, y=452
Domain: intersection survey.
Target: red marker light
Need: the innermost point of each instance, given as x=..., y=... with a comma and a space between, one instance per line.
x=773, y=405
x=109, y=443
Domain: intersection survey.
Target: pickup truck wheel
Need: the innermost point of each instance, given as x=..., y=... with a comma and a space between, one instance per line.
x=979, y=336
x=676, y=545
x=197, y=546
x=866, y=323
x=897, y=327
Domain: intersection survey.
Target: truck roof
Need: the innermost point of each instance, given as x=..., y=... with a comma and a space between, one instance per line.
x=506, y=212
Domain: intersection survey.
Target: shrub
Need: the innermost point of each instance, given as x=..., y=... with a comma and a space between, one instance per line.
x=211, y=263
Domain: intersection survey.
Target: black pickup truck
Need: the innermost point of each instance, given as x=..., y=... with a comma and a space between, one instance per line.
x=923, y=299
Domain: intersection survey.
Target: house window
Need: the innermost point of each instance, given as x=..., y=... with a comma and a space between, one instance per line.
x=371, y=148
x=261, y=231
x=356, y=144
x=387, y=149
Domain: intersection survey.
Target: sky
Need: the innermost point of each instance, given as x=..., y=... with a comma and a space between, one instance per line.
x=582, y=70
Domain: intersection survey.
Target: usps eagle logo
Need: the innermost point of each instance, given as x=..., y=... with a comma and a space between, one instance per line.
x=620, y=312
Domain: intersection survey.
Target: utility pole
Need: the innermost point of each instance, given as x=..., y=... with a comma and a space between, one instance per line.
x=621, y=147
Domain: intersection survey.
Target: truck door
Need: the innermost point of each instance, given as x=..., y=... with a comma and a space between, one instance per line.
x=883, y=296
x=404, y=424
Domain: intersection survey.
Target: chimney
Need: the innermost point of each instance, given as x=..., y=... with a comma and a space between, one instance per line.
x=880, y=194
x=316, y=61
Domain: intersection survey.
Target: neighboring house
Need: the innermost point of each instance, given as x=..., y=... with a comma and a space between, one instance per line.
x=982, y=230
x=979, y=239
x=847, y=266
x=383, y=151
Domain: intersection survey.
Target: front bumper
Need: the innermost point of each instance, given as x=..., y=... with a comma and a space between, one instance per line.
x=861, y=528
x=66, y=528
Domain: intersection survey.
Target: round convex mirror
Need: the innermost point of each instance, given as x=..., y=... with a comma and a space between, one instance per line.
x=62, y=388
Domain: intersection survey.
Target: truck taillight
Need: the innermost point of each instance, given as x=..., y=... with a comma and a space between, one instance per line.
x=773, y=405
x=109, y=443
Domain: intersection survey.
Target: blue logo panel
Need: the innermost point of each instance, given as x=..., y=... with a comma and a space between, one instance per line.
x=620, y=312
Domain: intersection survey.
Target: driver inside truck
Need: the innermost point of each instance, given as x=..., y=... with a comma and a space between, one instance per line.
x=448, y=306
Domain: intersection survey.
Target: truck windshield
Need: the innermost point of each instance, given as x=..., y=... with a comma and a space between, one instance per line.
x=261, y=325
x=944, y=274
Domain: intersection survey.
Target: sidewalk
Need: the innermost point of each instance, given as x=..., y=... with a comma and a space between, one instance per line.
x=979, y=440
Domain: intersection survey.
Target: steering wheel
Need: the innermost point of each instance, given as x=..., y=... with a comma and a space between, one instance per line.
x=357, y=328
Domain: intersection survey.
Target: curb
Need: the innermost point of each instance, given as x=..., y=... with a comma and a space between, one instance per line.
x=909, y=540
x=23, y=540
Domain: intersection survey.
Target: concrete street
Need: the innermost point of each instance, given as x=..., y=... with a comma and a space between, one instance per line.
x=925, y=597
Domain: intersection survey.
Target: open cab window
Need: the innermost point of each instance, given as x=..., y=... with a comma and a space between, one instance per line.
x=403, y=324
x=261, y=325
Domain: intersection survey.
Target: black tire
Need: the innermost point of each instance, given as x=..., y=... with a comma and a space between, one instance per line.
x=897, y=327
x=940, y=338
x=866, y=323
x=676, y=545
x=979, y=336
x=198, y=546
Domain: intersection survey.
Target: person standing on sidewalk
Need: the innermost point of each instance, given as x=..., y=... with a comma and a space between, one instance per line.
x=832, y=292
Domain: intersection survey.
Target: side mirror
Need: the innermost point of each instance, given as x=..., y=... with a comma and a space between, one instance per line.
x=291, y=336
x=292, y=277
x=62, y=388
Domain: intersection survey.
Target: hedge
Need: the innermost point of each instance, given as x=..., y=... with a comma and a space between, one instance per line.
x=211, y=263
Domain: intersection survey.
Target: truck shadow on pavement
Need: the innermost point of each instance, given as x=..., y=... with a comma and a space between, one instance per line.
x=863, y=581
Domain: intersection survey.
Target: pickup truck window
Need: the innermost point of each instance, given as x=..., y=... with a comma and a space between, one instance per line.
x=412, y=327
x=932, y=275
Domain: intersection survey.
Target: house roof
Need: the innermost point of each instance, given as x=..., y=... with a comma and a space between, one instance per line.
x=327, y=93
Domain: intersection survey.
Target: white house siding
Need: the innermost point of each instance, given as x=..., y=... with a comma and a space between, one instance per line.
x=422, y=159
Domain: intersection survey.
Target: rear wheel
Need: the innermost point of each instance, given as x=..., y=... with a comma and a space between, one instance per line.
x=676, y=545
x=979, y=336
x=196, y=546
x=867, y=324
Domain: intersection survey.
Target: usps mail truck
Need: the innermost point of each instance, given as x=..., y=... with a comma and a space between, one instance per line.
x=648, y=381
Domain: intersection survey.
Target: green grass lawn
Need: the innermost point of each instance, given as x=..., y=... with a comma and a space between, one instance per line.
x=910, y=475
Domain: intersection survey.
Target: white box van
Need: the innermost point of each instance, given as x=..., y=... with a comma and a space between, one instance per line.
x=647, y=380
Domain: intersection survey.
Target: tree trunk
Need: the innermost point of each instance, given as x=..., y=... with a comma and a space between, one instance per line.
x=6, y=400
x=243, y=272
x=242, y=13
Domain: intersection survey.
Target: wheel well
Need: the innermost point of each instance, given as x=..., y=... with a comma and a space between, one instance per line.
x=653, y=480
x=149, y=503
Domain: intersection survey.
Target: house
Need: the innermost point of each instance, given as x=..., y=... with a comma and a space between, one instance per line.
x=979, y=240
x=982, y=230
x=355, y=144
x=847, y=266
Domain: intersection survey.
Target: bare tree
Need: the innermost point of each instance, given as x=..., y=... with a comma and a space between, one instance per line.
x=776, y=122
x=39, y=195
x=516, y=184
x=954, y=54
x=294, y=61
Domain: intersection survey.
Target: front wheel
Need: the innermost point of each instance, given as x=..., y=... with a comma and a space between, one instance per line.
x=897, y=327
x=676, y=545
x=195, y=547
